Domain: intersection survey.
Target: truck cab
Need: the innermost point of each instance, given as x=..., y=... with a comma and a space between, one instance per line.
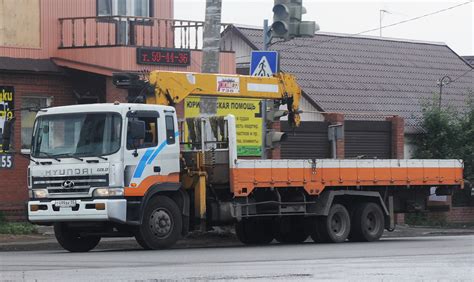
x=87, y=158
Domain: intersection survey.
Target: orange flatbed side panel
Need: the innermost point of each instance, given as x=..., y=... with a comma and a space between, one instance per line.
x=314, y=183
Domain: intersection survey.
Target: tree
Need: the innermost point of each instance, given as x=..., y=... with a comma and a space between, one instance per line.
x=448, y=133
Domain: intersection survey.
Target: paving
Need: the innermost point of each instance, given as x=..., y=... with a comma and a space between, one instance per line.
x=392, y=258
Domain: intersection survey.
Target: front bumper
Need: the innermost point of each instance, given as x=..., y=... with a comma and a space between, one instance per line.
x=115, y=210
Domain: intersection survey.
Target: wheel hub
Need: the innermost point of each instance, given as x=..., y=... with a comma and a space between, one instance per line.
x=161, y=223
x=337, y=225
x=371, y=222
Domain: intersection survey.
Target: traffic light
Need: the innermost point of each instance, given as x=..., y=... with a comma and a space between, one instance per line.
x=287, y=23
x=273, y=114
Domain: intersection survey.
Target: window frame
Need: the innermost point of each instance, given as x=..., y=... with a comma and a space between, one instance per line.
x=129, y=4
x=49, y=101
x=147, y=115
x=168, y=135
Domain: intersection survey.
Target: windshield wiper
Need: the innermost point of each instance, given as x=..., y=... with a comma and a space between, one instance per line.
x=51, y=156
x=101, y=157
x=70, y=156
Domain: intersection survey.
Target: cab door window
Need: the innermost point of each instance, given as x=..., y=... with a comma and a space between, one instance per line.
x=151, y=134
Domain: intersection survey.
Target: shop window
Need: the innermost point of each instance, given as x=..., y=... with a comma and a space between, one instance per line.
x=137, y=8
x=28, y=118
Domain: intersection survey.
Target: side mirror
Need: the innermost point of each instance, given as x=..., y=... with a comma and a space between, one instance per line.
x=7, y=134
x=136, y=129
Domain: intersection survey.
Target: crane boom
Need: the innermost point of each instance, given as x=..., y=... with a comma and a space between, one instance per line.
x=170, y=88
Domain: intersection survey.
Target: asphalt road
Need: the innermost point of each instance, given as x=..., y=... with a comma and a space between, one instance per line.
x=412, y=258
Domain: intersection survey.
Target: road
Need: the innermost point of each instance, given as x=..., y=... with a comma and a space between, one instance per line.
x=413, y=258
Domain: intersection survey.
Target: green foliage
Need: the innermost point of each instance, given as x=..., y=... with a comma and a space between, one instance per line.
x=448, y=134
x=16, y=228
x=422, y=219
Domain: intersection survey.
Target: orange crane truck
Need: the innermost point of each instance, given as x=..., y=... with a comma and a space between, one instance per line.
x=119, y=169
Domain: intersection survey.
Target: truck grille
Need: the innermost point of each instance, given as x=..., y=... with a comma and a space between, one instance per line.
x=62, y=185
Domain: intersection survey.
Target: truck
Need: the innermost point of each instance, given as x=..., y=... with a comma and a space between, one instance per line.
x=135, y=170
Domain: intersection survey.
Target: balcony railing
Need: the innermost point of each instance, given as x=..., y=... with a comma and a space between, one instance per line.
x=110, y=31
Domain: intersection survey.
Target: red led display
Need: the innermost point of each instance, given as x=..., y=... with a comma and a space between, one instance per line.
x=164, y=57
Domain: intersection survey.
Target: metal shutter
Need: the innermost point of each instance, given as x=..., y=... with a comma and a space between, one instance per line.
x=371, y=139
x=308, y=141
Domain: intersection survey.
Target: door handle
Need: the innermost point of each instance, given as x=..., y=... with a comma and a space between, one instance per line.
x=156, y=169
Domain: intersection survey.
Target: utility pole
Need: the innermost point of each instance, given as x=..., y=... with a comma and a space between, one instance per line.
x=211, y=37
x=266, y=43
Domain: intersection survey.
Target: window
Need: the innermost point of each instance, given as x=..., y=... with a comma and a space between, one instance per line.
x=138, y=8
x=151, y=134
x=79, y=134
x=170, y=138
x=28, y=118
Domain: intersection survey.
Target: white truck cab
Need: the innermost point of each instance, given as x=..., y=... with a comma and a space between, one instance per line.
x=86, y=158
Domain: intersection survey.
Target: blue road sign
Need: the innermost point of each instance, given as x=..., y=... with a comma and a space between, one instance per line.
x=264, y=63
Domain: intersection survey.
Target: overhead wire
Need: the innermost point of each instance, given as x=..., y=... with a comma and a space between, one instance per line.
x=385, y=26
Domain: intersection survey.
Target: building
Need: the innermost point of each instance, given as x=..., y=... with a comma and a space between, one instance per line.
x=469, y=59
x=56, y=53
x=364, y=77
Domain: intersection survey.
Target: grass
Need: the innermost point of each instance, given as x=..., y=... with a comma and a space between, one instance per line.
x=16, y=228
x=422, y=219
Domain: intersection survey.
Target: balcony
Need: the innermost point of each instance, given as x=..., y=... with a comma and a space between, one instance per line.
x=125, y=31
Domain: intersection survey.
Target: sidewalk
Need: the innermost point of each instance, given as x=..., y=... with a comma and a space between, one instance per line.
x=46, y=241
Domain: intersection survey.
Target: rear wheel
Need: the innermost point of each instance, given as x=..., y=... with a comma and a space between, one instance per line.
x=161, y=225
x=254, y=231
x=72, y=241
x=368, y=223
x=335, y=227
x=290, y=229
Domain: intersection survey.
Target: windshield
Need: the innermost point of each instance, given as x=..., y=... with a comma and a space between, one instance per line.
x=80, y=135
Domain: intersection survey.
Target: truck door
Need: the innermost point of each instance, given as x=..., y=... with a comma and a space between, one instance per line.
x=152, y=159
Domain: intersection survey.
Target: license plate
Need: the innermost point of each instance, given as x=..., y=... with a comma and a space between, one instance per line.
x=65, y=203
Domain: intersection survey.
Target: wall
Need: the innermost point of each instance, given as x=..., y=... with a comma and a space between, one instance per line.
x=20, y=23
x=51, y=10
x=104, y=61
x=455, y=215
x=13, y=186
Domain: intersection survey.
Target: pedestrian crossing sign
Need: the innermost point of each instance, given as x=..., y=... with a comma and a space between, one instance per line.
x=264, y=63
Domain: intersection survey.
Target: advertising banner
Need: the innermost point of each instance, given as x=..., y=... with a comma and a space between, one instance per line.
x=248, y=120
x=6, y=108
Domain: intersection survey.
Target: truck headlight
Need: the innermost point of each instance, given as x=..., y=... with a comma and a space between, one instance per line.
x=40, y=193
x=108, y=192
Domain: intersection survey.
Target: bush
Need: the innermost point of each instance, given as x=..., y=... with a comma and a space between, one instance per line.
x=448, y=133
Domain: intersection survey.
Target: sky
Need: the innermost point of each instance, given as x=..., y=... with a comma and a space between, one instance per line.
x=454, y=27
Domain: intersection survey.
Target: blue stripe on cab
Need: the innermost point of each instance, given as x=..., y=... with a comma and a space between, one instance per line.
x=156, y=152
x=141, y=165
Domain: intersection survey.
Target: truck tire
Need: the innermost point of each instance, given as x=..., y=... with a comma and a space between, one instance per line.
x=71, y=240
x=161, y=224
x=335, y=227
x=368, y=223
x=290, y=230
x=254, y=231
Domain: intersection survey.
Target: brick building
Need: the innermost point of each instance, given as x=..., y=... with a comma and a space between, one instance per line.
x=56, y=53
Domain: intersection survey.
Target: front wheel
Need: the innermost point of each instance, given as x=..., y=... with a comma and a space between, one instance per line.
x=161, y=225
x=72, y=241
